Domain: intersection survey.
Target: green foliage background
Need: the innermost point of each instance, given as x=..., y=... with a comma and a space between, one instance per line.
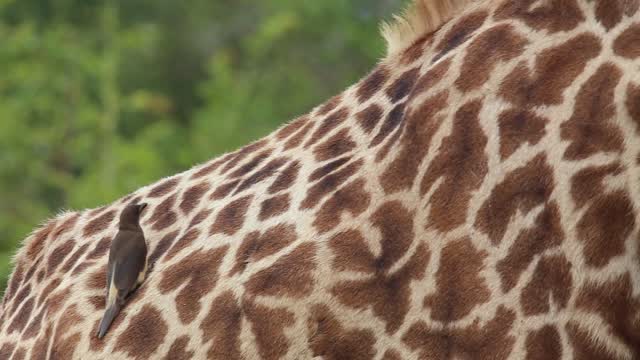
x=98, y=98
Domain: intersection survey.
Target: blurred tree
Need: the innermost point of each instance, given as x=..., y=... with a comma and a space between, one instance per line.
x=98, y=98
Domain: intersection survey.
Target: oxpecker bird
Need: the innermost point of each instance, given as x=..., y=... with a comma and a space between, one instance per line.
x=127, y=265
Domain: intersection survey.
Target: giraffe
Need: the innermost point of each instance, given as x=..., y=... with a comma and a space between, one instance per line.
x=475, y=196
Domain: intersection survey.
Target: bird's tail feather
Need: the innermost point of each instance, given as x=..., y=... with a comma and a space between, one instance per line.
x=110, y=314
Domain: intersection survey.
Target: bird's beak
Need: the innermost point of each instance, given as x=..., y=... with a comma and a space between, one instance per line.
x=141, y=207
x=108, y=317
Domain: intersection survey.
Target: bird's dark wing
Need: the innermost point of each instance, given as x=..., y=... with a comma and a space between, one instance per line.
x=129, y=261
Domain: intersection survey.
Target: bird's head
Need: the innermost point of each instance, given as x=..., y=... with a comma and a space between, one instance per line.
x=130, y=216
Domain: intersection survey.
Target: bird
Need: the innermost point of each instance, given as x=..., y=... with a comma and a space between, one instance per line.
x=127, y=266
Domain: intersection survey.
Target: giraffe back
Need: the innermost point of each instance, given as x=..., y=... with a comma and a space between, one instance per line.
x=475, y=196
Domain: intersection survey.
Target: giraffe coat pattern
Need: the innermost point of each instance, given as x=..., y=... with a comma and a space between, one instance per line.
x=476, y=196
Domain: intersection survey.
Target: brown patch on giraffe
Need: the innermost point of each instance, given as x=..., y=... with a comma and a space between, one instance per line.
x=431, y=77
x=21, y=318
x=274, y=206
x=163, y=245
x=605, y=227
x=499, y=44
x=97, y=211
x=292, y=127
x=100, y=249
x=330, y=340
x=555, y=70
x=34, y=326
x=125, y=198
x=14, y=282
x=59, y=254
x=489, y=342
x=37, y=241
x=585, y=347
x=391, y=355
x=184, y=242
x=224, y=190
x=291, y=275
x=211, y=167
x=352, y=199
x=64, y=325
x=388, y=294
x=587, y=184
x=372, y=83
x=615, y=303
x=463, y=164
x=391, y=123
x=264, y=173
x=298, y=138
x=329, y=184
x=81, y=267
x=231, y=218
x=195, y=275
x=238, y=156
x=335, y=146
x=39, y=348
x=20, y=297
x=633, y=104
x=40, y=276
x=178, y=350
x=73, y=259
x=163, y=215
x=329, y=123
x=6, y=350
x=222, y=326
x=286, y=178
x=552, y=15
x=384, y=151
x=98, y=302
x=460, y=33
x=459, y=285
x=144, y=335
x=200, y=217
x=66, y=226
x=626, y=45
x=97, y=279
x=395, y=224
x=416, y=51
x=551, y=281
x=523, y=189
x=267, y=325
x=65, y=348
x=328, y=168
x=44, y=294
x=546, y=233
x=164, y=188
x=32, y=269
x=20, y=354
x=256, y=245
x=517, y=127
x=329, y=105
x=351, y=252
x=251, y=165
x=609, y=12
x=56, y=301
x=191, y=197
x=421, y=126
x=588, y=129
x=402, y=86
x=369, y=118
x=544, y=344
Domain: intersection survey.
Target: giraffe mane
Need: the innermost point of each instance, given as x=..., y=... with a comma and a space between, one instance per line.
x=421, y=17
